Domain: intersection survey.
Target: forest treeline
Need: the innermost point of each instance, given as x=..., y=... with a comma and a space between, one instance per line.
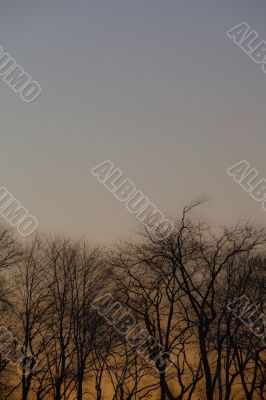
x=168, y=332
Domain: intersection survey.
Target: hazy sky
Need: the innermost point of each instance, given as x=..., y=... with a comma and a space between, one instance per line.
x=155, y=86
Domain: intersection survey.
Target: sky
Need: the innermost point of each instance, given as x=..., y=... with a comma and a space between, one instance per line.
x=155, y=86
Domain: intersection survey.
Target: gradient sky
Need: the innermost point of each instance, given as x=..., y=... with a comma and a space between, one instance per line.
x=156, y=86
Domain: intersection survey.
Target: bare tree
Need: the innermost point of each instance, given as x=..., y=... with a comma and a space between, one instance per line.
x=166, y=329
x=180, y=302
x=30, y=311
x=87, y=279
x=10, y=253
x=59, y=351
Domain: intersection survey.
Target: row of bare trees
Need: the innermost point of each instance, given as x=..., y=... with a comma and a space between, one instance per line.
x=177, y=290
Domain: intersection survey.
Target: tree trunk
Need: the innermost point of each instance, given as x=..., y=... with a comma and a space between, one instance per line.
x=80, y=386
